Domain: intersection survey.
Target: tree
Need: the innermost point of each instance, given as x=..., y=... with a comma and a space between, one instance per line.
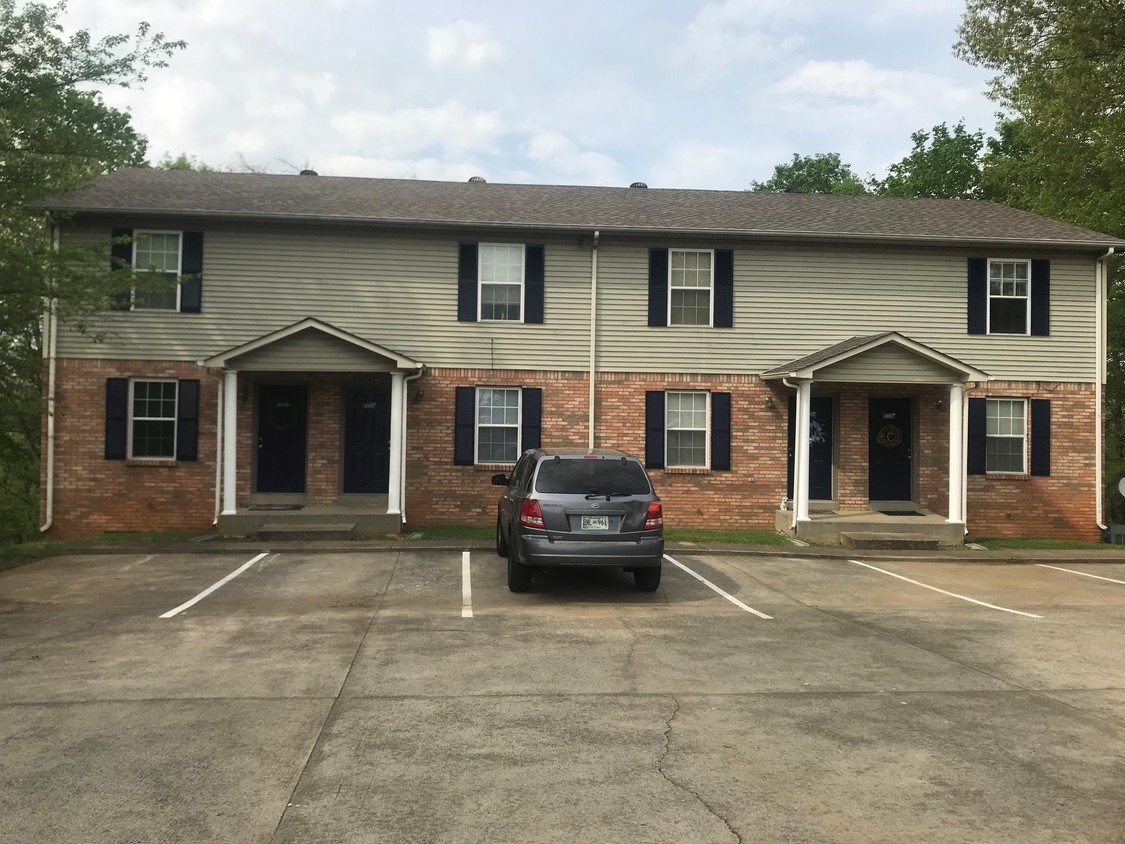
x=1061, y=149
x=943, y=163
x=820, y=173
x=55, y=132
x=183, y=161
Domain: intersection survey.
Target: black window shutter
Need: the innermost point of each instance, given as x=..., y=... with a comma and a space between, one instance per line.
x=720, y=431
x=1041, y=436
x=533, y=283
x=191, y=288
x=116, y=418
x=464, y=426
x=121, y=256
x=658, y=289
x=978, y=436
x=724, y=288
x=978, y=296
x=467, y=283
x=531, y=424
x=654, y=429
x=187, y=421
x=1041, y=298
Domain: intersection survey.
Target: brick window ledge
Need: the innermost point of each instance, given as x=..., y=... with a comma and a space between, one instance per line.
x=494, y=467
x=1005, y=476
x=159, y=463
x=687, y=470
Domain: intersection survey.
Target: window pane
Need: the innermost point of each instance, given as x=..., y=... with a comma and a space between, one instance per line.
x=1004, y=454
x=687, y=448
x=497, y=445
x=154, y=419
x=500, y=301
x=501, y=264
x=1006, y=435
x=691, y=307
x=1007, y=316
x=498, y=407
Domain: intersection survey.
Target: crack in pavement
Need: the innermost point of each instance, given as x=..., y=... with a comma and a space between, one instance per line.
x=660, y=767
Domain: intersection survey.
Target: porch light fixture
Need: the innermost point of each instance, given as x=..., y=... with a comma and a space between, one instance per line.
x=769, y=403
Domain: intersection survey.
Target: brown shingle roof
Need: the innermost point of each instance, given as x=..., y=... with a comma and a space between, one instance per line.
x=406, y=201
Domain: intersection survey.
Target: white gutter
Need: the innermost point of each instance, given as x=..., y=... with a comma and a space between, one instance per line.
x=50, y=349
x=1101, y=280
x=593, y=331
x=402, y=450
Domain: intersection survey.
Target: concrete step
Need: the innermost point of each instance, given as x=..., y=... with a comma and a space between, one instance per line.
x=289, y=532
x=888, y=541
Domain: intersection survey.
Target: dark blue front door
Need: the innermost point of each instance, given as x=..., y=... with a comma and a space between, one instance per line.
x=890, y=448
x=282, y=426
x=820, y=447
x=367, y=439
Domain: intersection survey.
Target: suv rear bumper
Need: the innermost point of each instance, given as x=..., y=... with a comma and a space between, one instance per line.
x=538, y=550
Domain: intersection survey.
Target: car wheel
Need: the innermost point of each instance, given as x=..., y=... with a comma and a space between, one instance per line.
x=519, y=575
x=647, y=580
x=501, y=545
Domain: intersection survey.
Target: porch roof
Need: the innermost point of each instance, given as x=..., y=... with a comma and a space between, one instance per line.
x=897, y=358
x=358, y=349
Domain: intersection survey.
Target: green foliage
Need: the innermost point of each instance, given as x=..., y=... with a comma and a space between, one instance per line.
x=820, y=173
x=943, y=163
x=55, y=132
x=183, y=161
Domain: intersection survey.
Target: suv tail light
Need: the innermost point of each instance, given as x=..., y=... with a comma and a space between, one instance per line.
x=654, y=518
x=531, y=515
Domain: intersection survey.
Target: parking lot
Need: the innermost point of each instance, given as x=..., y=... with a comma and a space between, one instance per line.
x=274, y=695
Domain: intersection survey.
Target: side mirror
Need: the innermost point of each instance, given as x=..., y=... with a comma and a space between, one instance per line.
x=499, y=480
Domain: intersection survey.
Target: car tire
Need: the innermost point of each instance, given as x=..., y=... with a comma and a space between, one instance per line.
x=519, y=575
x=501, y=545
x=648, y=579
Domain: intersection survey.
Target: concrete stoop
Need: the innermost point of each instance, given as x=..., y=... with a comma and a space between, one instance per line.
x=888, y=541
x=305, y=532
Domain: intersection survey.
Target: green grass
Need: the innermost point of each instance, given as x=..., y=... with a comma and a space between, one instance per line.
x=1047, y=545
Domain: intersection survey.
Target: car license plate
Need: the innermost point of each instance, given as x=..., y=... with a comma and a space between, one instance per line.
x=595, y=523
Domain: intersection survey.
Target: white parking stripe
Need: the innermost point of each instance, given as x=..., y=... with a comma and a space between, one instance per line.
x=214, y=586
x=942, y=591
x=466, y=587
x=1084, y=574
x=711, y=585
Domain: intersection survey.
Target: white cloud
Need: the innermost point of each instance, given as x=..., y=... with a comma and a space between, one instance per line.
x=699, y=165
x=462, y=44
x=450, y=126
x=890, y=11
x=561, y=154
x=737, y=32
x=320, y=86
x=398, y=168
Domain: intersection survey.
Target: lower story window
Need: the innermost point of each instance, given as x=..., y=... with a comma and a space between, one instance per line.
x=152, y=419
x=498, y=425
x=686, y=429
x=1005, y=444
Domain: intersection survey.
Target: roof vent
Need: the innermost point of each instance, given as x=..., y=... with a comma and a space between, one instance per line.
x=478, y=180
x=308, y=173
x=640, y=185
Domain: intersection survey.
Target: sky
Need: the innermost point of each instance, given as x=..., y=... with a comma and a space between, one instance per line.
x=674, y=93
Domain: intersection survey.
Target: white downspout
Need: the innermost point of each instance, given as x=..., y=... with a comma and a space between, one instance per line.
x=1101, y=276
x=593, y=330
x=50, y=350
x=402, y=447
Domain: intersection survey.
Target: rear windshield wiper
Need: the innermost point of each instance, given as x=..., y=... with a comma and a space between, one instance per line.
x=608, y=495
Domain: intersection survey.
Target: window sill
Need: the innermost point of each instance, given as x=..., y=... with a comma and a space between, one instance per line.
x=152, y=463
x=1007, y=476
x=687, y=470
x=494, y=467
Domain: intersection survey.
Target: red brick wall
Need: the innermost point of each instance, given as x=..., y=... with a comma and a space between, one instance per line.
x=94, y=495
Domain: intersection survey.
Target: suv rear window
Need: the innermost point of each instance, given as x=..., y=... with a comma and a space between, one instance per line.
x=584, y=476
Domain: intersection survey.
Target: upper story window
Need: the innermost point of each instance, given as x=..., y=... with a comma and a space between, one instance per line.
x=501, y=281
x=158, y=253
x=689, y=286
x=152, y=419
x=1009, y=296
x=1006, y=436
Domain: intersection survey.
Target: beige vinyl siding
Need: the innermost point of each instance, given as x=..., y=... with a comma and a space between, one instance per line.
x=311, y=351
x=888, y=365
x=792, y=300
x=397, y=290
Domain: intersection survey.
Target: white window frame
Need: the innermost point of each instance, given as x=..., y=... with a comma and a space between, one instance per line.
x=477, y=426
x=1027, y=312
x=710, y=290
x=138, y=270
x=174, y=418
x=706, y=429
x=481, y=282
x=1024, y=437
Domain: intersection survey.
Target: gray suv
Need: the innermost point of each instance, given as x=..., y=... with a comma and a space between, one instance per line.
x=579, y=508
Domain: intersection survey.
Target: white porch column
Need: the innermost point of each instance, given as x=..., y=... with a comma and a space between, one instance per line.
x=394, y=481
x=801, y=452
x=956, y=454
x=230, y=442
